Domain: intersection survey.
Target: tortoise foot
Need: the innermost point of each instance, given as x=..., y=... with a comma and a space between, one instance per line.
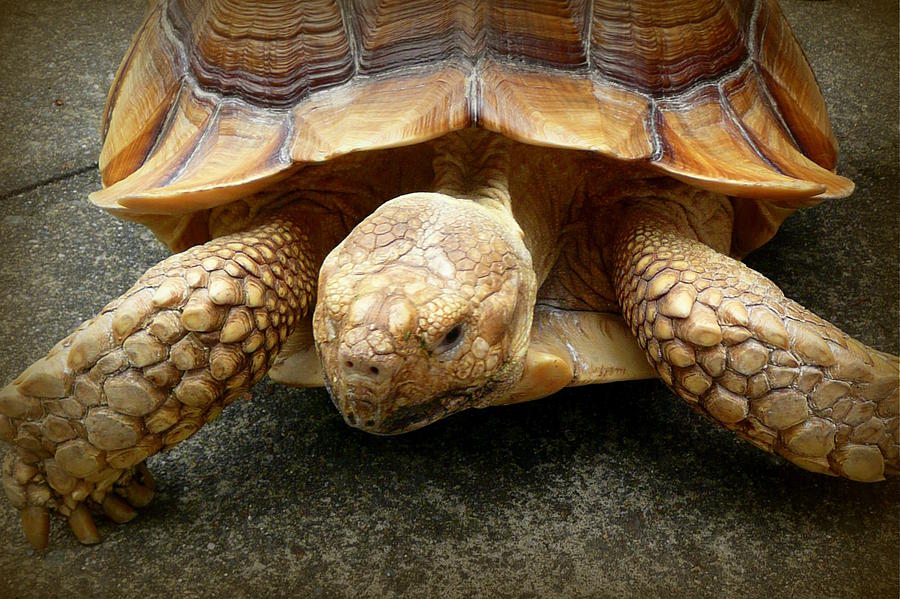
x=41, y=488
x=191, y=336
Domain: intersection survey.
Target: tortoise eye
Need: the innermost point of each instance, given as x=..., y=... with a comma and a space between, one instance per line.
x=451, y=339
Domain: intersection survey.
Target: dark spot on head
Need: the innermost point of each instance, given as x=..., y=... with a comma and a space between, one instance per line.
x=452, y=337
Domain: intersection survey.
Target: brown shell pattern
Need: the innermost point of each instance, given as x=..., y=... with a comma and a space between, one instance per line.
x=215, y=99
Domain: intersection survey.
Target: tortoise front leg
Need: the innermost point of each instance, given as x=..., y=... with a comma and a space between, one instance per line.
x=194, y=333
x=726, y=340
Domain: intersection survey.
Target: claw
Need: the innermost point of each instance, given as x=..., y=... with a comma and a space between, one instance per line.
x=36, y=525
x=117, y=510
x=146, y=477
x=83, y=526
x=137, y=494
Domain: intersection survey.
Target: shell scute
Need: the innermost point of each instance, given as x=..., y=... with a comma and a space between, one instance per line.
x=665, y=48
x=141, y=98
x=790, y=80
x=564, y=112
x=271, y=52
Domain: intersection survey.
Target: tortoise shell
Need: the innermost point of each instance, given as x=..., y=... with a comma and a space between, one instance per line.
x=216, y=100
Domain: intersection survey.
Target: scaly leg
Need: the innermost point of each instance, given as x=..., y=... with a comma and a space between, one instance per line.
x=726, y=340
x=194, y=333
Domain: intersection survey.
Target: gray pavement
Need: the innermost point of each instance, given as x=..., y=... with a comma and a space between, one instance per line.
x=616, y=491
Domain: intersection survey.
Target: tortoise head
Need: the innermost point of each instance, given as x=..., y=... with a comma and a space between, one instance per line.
x=423, y=310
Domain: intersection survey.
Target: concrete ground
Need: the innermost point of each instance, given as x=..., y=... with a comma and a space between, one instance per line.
x=616, y=491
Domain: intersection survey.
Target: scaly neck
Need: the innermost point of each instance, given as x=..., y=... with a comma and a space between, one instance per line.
x=473, y=164
x=479, y=165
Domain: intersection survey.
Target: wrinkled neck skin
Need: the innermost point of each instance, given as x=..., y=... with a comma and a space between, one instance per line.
x=511, y=181
x=476, y=166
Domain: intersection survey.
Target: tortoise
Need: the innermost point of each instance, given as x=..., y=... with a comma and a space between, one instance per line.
x=436, y=206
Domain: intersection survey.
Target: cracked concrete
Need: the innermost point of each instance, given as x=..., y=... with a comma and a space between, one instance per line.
x=58, y=61
x=615, y=491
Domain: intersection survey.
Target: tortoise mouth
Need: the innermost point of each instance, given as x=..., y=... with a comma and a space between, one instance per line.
x=384, y=417
x=405, y=419
x=381, y=414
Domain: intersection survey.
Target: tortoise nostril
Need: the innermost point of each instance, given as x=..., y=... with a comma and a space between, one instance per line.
x=378, y=370
x=351, y=418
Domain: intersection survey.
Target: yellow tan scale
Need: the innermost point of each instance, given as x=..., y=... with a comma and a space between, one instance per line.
x=191, y=336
